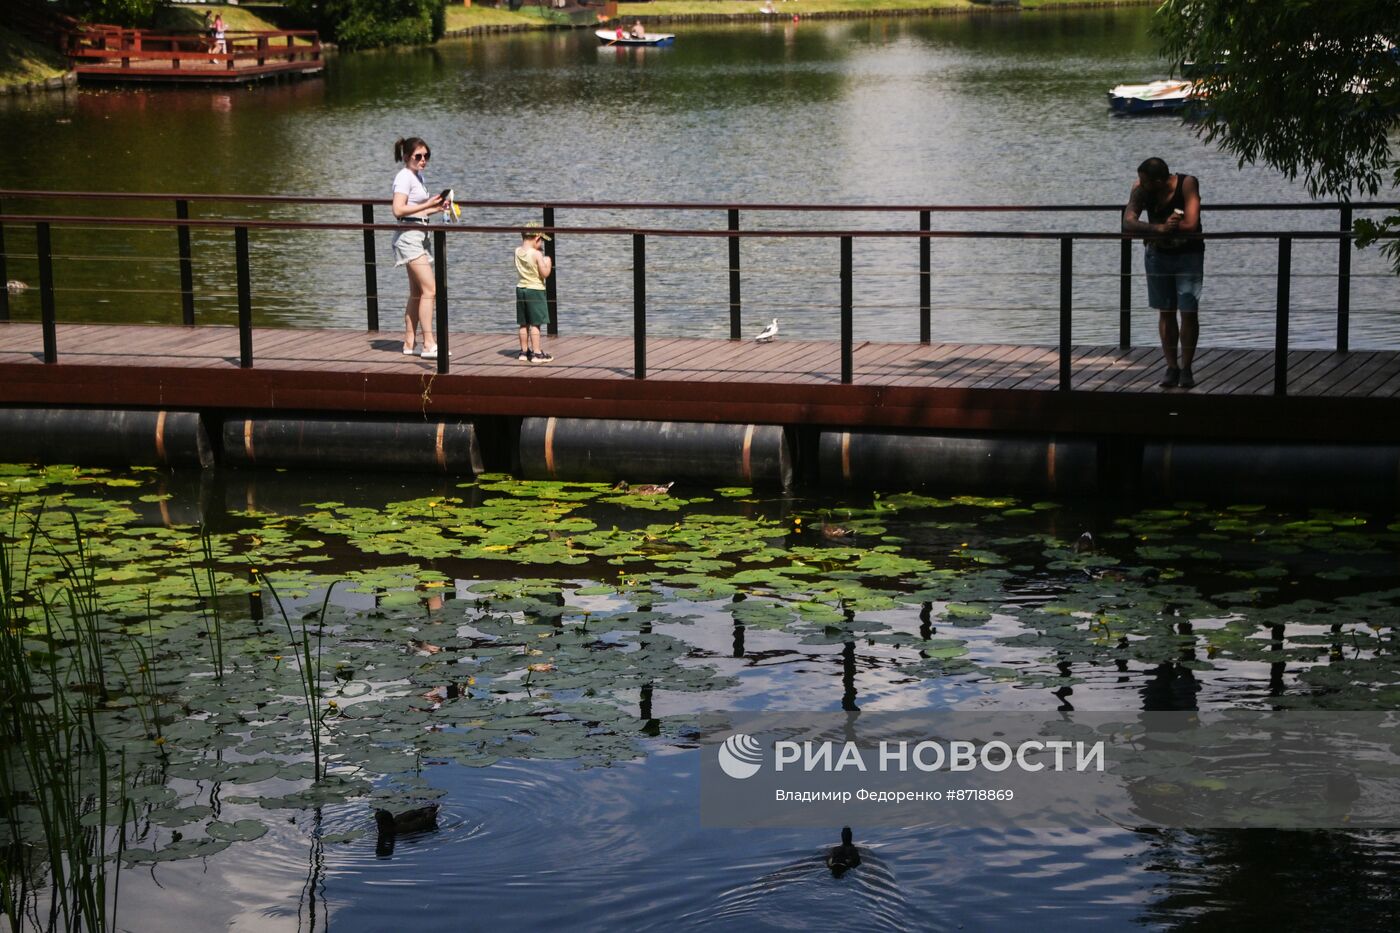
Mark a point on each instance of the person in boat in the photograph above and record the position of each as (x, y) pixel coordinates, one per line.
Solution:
(412, 244)
(1175, 265)
(638, 30)
(621, 33)
(532, 267)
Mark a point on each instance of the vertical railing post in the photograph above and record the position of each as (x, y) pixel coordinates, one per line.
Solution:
(1344, 283)
(847, 324)
(1066, 309)
(440, 278)
(735, 324)
(639, 305)
(182, 235)
(371, 271)
(551, 284)
(46, 308)
(925, 280)
(4, 273)
(1125, 294)
(1285, 273)
(245, 298)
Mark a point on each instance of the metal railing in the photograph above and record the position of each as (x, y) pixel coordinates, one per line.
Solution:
(183, 223)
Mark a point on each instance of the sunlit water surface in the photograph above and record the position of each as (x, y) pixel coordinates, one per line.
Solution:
(978, 110)
(991, 110)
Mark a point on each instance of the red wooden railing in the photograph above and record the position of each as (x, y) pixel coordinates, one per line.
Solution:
(131, 49)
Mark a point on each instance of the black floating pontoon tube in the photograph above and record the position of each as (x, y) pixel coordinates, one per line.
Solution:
(654, 452)
(1359, 474)
(902, 461)
(89, 437)
(338, 444)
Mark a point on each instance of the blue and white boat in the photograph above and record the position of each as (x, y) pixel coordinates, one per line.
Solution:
(1153, 97)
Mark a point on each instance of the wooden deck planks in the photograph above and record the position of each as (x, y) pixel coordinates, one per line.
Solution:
(1376, 369)
(784, 365)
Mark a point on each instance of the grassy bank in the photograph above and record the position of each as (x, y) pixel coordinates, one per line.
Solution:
(191, 16)
(678, 8)
(25, 62)
(480, 17)
(460, 18)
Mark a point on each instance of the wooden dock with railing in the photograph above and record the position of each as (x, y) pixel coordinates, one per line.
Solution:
(1291, 393)
(1330, 396)
(112, 53)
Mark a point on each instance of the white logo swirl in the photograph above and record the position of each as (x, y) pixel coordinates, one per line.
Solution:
(740, 756)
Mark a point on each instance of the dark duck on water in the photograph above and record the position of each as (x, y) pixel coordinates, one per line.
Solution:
(393, 825)
(843, 857)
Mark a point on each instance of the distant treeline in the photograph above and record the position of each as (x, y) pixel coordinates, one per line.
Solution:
(353, 24)
(359, 24)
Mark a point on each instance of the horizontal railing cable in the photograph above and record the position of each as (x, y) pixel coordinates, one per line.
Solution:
(688, 205)
(460, 229)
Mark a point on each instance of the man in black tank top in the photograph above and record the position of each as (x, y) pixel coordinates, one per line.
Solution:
(1175, 264)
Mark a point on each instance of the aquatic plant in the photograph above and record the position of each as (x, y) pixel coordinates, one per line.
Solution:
(309, 669)
(57, 768)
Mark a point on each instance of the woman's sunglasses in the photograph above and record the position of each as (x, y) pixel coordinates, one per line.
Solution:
(419, 157)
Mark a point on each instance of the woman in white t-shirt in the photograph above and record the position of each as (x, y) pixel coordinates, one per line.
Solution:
(412, 245)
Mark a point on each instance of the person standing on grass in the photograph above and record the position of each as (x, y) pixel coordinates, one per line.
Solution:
(532, 267)
(1175, 265)
(412, 245)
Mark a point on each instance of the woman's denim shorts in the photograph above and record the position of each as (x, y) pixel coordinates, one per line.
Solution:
(411, 243)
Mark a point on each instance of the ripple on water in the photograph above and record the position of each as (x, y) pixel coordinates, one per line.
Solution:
(793, 887)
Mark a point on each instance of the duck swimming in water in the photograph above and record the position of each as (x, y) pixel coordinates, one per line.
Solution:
(644, 489)
(391, 825)
(843, 857)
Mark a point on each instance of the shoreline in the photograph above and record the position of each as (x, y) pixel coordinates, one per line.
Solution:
(526, 23)
(783, 9)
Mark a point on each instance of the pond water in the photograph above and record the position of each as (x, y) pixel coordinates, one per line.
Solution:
(569, 793)
(537, 657)
(994, 109)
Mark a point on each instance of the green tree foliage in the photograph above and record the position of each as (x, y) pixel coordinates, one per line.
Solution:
(358, 24)
(1309, 87)
(118, 12)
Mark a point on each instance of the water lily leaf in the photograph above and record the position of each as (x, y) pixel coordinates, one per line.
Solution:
(240, 831)
(180, 849)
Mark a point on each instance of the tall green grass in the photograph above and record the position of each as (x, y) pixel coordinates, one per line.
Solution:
(61, 858)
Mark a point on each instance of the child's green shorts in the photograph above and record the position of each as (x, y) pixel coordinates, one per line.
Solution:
(531, 307)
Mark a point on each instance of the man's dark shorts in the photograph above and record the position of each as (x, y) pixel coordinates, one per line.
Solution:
(1174, 280)
(531, 307)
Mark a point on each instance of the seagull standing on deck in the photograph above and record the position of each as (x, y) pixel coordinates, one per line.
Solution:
(768, 334)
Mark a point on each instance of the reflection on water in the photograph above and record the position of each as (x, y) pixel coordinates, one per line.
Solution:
(942, 110)
(541, 845)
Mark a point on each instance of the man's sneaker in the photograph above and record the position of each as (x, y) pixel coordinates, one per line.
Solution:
(1187, 380)
(1172, 379)
(543, 358)
(525, 356)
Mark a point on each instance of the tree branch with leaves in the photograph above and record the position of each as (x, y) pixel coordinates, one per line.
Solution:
(1310, 88)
